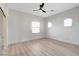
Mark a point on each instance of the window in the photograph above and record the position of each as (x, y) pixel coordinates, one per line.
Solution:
(49, 24)
(35, 27)
(68, 22)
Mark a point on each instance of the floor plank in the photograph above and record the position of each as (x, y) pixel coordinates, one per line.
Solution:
(43, 47)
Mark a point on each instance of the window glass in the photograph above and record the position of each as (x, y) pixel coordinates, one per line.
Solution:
(49, 24)
(35, 27)
(68, 22)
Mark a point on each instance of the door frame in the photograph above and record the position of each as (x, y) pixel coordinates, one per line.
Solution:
(4, 33)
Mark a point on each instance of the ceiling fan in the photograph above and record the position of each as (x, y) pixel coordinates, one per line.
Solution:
(41, 8)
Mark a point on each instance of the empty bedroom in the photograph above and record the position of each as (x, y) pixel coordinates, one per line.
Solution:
(39, 29)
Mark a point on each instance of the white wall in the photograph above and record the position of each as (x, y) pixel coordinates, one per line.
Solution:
(19, 26)
(59, 32)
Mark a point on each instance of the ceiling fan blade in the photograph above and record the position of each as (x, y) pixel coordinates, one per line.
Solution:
(36, 10)
(44, 11)
(42, 4)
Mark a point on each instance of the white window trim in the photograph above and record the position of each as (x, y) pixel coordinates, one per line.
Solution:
(49, 24)
(35, 27)
(68, 22)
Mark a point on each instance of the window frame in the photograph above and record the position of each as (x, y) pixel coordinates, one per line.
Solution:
(68, 22)
(36, 27)
(49, 24)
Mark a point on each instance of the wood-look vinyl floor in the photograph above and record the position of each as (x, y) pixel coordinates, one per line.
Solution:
(42, 47)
